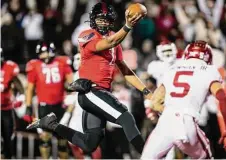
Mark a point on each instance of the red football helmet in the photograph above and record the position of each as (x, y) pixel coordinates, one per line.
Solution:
(200, 50)
(167, 51)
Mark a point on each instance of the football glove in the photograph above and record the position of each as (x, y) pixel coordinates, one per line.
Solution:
(28, 115)
(81, 85)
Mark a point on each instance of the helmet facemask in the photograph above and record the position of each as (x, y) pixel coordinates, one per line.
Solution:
(46, 52)
(102, 18)
(167, 52)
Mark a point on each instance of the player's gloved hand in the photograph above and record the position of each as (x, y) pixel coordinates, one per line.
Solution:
(28, 115)
(81, 85)
(222, 140)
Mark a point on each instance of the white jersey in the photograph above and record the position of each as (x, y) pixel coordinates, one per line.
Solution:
(187, 85)
(157, 69)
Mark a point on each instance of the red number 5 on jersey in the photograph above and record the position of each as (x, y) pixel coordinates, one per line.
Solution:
(183, 85)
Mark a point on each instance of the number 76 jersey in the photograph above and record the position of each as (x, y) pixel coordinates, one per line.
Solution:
(187, 85)
(49, 78)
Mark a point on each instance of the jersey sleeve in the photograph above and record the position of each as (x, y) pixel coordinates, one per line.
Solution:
(67, 68)
(30, 70)
(16, 69)
(88, 40)
(151, 68)
(214, 76)
(119, 56)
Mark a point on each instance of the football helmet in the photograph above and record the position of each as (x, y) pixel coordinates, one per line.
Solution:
(104, 12)
(167, 51)
(44, 46)
(199, 50)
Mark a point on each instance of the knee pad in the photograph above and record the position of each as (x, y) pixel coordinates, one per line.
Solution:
(127, 121)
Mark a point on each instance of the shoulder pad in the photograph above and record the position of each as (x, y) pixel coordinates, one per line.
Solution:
(64, 59)
(30, 65)
(11, 63)
(87, 36)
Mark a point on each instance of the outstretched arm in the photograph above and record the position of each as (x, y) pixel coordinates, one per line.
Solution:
(217, 90)
(157, 99)
(115, 39)
(132, 78)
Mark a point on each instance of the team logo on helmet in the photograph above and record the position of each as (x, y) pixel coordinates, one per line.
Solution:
(200, 50)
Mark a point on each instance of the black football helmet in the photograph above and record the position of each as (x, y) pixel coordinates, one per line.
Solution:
(44, 46)
(104, 11)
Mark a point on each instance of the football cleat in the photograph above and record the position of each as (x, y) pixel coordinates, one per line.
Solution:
(48, 122)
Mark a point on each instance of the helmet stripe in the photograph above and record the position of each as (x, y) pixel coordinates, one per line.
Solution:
(104, 7)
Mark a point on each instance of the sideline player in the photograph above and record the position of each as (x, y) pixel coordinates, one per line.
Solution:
(8, 76)
(184, 87)
(101, 53)
(48, 75)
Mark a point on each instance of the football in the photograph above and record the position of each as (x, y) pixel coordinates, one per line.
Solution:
(137, 8)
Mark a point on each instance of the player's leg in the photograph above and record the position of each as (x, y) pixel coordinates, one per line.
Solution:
(198, 145)
(76, 124)
(89, 139)
(58, 110)
(103, 104)
(7, 127)
(44, 137)
(158, 143)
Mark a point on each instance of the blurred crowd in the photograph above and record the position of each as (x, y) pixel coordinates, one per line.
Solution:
(25, 22)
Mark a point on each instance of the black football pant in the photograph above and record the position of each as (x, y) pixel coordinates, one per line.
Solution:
(7, 128)
(101, 106)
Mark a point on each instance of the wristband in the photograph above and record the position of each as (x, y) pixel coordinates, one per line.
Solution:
(126, 28)
(146, 91)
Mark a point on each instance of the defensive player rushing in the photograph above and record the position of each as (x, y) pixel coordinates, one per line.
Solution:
(185, 86)
(48, 75)
(166, 51)
(8, 76)
(101, 53)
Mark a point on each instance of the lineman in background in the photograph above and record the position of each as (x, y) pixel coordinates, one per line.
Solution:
(8, 81)
(47, 75)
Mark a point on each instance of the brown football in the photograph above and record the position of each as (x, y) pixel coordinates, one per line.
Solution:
(137, 8)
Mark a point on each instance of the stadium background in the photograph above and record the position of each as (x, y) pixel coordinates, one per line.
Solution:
(24, 22)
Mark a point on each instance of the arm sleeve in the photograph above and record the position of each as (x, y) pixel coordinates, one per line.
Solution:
(214, 76)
